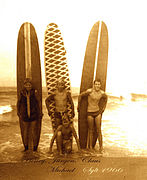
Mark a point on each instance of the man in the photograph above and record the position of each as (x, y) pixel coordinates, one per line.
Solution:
(29, 112)
(61, 98)
(94, 111)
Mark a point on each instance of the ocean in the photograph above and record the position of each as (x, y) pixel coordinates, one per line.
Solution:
(123, 127)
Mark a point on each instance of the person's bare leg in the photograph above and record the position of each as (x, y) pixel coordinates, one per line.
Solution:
(99, 132)
(59, 142)
(25, 134)
(34, 137)
(90, 129)
(58, 122)
(68, 147)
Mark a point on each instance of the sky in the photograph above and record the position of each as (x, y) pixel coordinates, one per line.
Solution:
(127, 30)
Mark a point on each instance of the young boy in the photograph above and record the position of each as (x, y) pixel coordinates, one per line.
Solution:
(63, 136)
(61, 97)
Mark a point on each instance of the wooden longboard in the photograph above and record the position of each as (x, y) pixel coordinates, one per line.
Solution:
(56, 66)
(28, 66)
(94, 67)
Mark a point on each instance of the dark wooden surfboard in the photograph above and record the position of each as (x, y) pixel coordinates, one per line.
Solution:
(92, 68)
(28, 66)
(101, 68)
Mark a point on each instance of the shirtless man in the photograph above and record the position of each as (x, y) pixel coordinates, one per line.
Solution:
(94, 111)
(61, 97)
(63, 136)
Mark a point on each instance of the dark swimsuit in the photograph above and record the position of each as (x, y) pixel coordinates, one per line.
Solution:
(93, 114)
(59, 114)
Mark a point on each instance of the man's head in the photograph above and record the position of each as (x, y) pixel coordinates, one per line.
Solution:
(65, 121)
(28, 84)
(97, 84)
(60, 84)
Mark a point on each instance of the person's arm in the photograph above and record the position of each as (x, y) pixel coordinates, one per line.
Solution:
(47, 102)
(103, 103)
(18, 104)
(85, 93)
(75, 136)
(54, 137)
(39, 104)
(71, 102)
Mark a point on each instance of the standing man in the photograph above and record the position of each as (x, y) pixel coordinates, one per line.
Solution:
(29, 112)
(94, 111)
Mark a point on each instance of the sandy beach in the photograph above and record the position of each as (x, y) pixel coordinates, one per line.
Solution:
(124, 156)
(83, 168)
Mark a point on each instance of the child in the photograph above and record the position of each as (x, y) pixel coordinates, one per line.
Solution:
(61, 97)
(63, 136)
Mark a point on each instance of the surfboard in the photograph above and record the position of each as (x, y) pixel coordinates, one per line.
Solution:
(94, 67)
(56, 66)
(29, 66)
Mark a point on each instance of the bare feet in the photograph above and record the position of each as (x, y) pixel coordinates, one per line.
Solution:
(60, 153)
(101, 150)
(92, 150)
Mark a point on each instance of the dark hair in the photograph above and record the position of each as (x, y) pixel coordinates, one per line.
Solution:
(96, 80)
(27, 80)
(60, 81)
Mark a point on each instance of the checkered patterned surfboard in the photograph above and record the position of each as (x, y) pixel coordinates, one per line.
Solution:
(55, 63)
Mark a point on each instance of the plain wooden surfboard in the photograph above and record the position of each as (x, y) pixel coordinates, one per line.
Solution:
(28, 66)
(97, 43)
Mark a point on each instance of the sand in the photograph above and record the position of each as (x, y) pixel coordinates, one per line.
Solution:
(103, 168)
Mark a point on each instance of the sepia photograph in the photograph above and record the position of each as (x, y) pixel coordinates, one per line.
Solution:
(73, 90)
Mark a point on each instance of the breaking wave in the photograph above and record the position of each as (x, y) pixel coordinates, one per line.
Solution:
(5, 109)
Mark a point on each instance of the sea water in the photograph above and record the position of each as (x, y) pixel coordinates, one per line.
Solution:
(123, 126)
